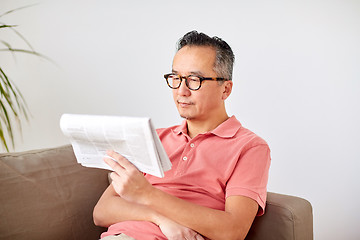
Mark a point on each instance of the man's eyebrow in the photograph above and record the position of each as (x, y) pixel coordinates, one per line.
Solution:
(195, 73)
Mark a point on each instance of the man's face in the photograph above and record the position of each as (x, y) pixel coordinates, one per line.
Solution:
(209, 99)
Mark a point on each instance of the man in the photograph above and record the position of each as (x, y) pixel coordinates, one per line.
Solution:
(217, 184)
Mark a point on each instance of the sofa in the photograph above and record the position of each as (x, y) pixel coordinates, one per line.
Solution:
(46, 194)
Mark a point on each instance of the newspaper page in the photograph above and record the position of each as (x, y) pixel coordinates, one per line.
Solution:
(133, 137)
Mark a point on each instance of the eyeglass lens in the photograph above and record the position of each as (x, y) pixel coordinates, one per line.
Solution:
(193, 82)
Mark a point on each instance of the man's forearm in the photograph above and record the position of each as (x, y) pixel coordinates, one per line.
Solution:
(111, 209)
(214, 224)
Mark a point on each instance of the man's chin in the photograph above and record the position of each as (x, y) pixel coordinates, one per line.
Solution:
(187, 117)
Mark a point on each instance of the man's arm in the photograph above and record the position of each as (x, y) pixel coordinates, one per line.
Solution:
(233, 223)
(111, 209)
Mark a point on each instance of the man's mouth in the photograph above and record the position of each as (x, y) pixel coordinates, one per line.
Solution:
(184, 103)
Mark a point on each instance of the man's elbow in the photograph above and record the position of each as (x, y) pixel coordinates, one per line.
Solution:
(235, 232)
(99, 218)
(233, 235)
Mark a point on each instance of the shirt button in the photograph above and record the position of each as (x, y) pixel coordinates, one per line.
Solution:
(185, 158)
(192, 145)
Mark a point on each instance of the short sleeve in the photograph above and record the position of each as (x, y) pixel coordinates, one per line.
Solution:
(250, 175)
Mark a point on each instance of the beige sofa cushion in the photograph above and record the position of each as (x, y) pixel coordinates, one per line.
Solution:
(46, 194)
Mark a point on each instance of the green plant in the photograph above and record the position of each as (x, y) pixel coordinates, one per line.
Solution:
(12, 102)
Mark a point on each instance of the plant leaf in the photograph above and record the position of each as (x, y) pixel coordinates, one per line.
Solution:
(8, 92)
(7, 26)
(9, 47)
(12, 27)
(12, 102)
(28, 52)
(3, 140)
(6, 44)
(17, 9)
(7, 122)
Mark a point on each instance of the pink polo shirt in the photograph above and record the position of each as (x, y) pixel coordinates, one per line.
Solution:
(230, 160)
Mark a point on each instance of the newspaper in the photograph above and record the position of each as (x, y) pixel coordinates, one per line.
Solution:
(133, 137)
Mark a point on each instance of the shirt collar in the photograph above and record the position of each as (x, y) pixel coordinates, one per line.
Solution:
(181, 128)
(226, 129)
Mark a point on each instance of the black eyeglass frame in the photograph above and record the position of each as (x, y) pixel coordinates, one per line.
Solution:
(166, 76)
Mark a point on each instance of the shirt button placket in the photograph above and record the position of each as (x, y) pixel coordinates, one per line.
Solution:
(185, 158)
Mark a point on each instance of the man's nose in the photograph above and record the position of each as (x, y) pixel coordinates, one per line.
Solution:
(183, 89)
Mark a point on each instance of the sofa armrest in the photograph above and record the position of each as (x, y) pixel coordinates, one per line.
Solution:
(286, 217)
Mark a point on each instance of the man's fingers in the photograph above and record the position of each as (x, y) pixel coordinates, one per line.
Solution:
(118, 188)
(114, 165)
(120, 159)
(115, 179)
(199, 237)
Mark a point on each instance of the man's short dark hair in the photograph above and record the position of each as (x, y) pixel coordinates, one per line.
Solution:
(224, 55)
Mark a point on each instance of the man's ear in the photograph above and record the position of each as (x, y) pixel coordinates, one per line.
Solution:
(227, 86)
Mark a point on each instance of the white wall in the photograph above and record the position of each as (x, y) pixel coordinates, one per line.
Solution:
(296, 81)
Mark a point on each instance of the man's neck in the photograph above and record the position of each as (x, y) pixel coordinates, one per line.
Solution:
(196, 127)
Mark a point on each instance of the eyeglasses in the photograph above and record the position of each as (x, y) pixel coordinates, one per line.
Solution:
(192, 82)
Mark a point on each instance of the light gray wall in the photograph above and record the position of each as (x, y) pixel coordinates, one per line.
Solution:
(296, 81)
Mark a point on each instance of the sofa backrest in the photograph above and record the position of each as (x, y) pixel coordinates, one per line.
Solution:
(46, 194)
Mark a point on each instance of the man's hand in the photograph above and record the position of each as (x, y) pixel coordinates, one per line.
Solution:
(175, 231)
(127, 180)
